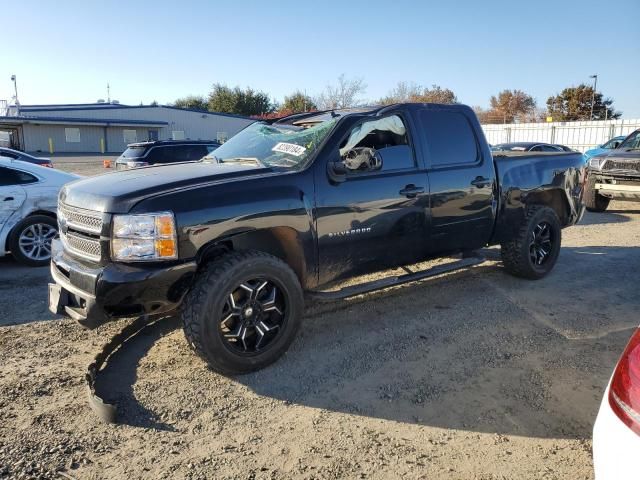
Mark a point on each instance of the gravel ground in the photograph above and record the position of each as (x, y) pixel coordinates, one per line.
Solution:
(474, 374)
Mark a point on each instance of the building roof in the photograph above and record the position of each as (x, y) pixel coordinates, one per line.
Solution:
(103, 122)
(115, 106)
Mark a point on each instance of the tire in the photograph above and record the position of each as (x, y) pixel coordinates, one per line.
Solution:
(217, 309)
(521, 256)
(30, 240)
(592, 199)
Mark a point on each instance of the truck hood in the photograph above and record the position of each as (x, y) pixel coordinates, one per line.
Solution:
(118, 192)
(621, 155)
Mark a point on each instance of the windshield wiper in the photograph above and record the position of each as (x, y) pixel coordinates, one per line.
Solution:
(241, 160)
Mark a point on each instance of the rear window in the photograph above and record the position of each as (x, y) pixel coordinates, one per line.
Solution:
(133, 152)
(450, 138)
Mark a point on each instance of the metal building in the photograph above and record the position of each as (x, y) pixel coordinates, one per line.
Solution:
(108, 127)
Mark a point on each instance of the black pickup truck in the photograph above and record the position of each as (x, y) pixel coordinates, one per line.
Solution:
(235, 243)
(614, 174)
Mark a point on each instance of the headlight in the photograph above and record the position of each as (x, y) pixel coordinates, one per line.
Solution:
(597, 162)
(146, 237)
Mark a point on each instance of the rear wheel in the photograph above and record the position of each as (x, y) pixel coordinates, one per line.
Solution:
(592, 199)
(30, 240)
(534, 251)
(243, 312)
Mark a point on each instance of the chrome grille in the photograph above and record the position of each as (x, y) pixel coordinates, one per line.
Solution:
(82, 246)
(622, 165)
(80, 231)
(83, 220)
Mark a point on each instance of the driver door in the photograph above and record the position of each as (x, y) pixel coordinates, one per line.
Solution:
(376, 217)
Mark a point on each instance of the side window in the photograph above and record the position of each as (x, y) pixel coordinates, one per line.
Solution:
(537, 148)
(9, 154)
(8, 176)
(380, 144)
(156, 155)
(197, 152)
(450, 138)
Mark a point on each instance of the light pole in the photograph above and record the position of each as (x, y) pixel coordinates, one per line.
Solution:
(593, 93)
(15, 88)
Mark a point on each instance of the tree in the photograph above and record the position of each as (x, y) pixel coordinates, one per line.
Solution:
(510, 105)
(297, 102)
(246, 102)
(192, 102)
(345, 94)
(574, 103)
(411, 92)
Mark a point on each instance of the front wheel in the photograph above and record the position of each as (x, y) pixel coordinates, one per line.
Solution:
(592, 199)
(534, 251)
(243, 312)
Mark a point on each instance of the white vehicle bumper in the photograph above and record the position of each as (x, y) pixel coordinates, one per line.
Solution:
(616, 447)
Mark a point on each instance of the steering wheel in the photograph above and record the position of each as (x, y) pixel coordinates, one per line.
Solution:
(362, 158)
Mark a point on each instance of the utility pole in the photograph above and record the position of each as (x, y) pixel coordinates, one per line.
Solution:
(108, 93)
(593, 93)
(15, 89)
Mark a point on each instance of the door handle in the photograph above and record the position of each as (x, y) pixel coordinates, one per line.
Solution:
(481, 182)
(8, 199)
(411, 191)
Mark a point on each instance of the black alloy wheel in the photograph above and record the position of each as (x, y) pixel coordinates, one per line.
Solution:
(253, 316)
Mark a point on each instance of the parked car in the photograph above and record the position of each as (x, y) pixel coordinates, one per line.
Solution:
(144, 154)
(28, 204)
(614, 175)
(287, 206)
(608, 145)
(25, 157)
(616, 433)
(530, 147)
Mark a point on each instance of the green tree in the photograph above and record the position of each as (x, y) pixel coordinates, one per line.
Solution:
(193, 102)
(511, 105)
(412, 92)
(246, 102)
(574, 103)
(297, 102)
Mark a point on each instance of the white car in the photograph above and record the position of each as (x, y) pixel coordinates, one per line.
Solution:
(616, 434)
(28, 205)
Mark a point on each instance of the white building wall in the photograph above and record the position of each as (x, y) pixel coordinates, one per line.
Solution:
(580, 136)
(36, 138)
(195, 125)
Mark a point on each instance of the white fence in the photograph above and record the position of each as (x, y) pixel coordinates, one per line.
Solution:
(578, 135)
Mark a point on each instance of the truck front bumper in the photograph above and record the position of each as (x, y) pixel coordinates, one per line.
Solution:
(626, 192)
(96, 294)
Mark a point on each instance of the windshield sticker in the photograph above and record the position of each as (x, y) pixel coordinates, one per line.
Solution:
(290, 148)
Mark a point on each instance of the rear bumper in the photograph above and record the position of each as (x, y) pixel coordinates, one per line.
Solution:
(615, 446)
(94, 295)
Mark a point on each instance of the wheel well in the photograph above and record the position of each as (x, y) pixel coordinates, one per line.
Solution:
(554, 199)
(281, 242)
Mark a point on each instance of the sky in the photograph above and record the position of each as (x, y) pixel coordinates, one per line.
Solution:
(67, 51)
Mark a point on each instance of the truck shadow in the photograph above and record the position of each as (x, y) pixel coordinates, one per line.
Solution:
(479, 351)
(115, 382)
(475, 350)
(609, 216)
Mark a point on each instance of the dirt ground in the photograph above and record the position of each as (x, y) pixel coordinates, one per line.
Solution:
(470, 375)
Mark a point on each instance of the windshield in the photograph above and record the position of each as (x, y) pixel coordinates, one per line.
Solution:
(133, 152)
(276, 145)
(632, 141)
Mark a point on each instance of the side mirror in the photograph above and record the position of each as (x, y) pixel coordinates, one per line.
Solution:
(337, 171)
